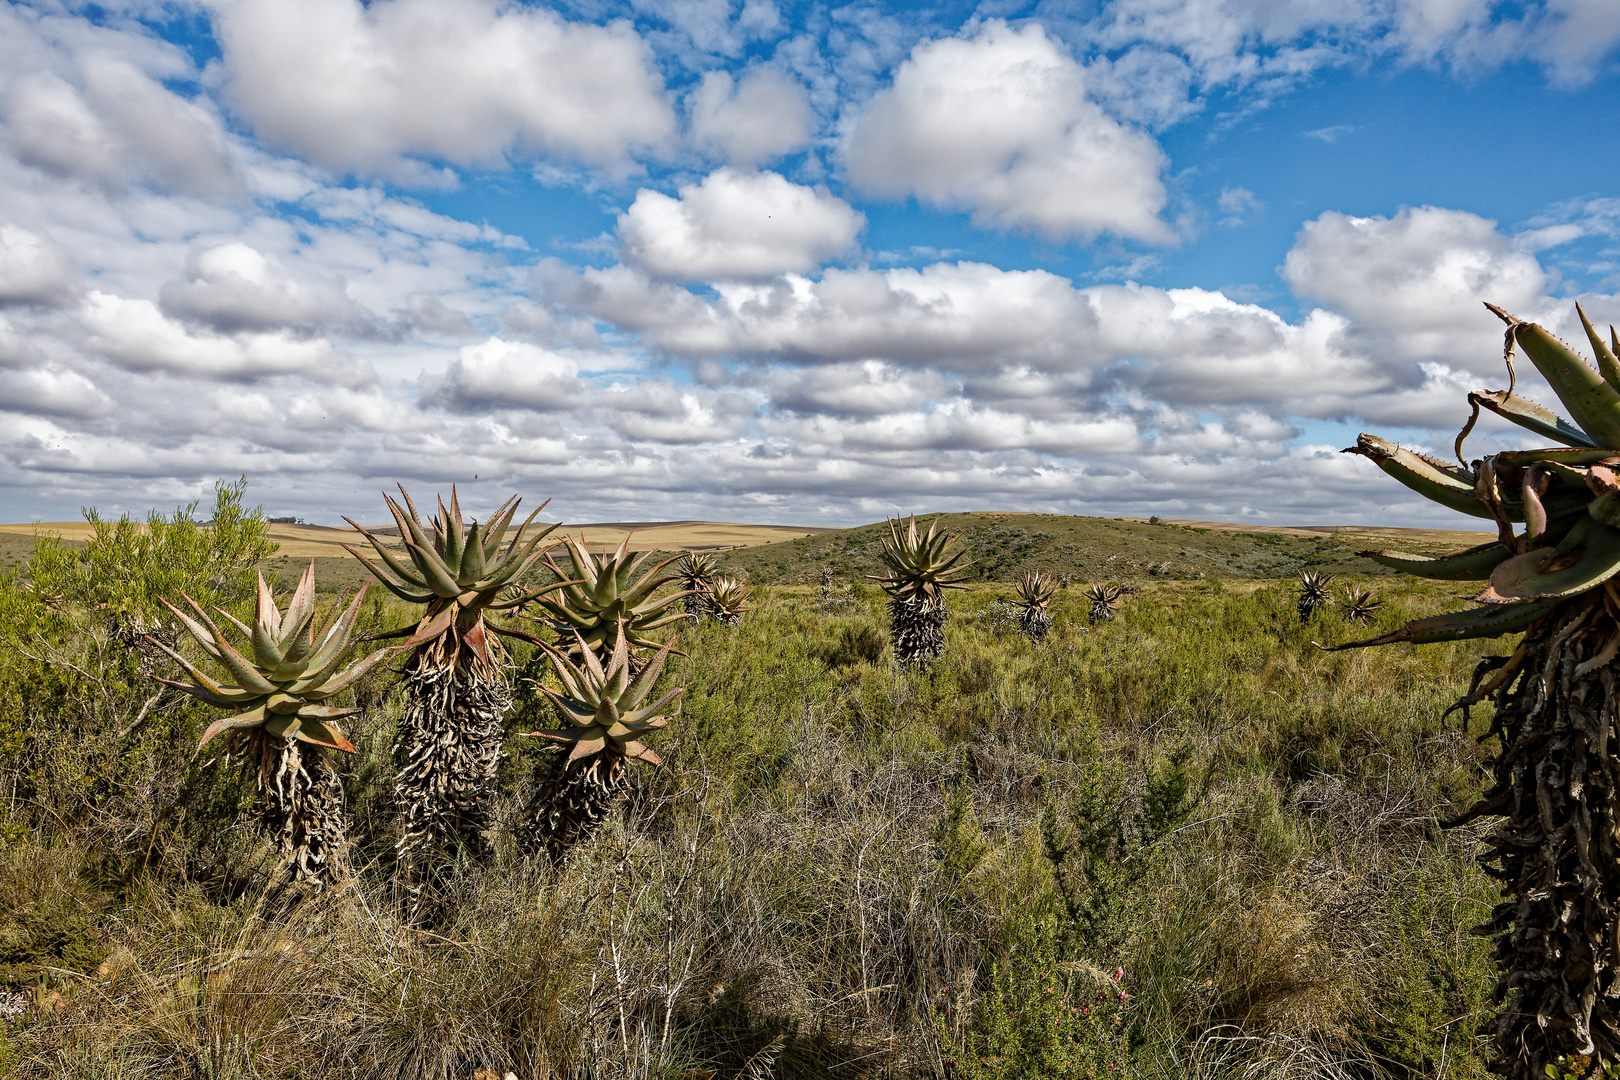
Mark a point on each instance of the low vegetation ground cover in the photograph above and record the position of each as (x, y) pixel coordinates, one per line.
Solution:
(1183, 843)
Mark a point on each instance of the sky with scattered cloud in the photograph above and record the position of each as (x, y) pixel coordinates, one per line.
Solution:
(757, 260)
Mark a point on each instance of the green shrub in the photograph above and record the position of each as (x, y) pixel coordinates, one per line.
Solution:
(856, 643)
(1046, 1015)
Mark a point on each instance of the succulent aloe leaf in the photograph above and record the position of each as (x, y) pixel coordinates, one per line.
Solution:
(642, 684)
(563, 736)
(472, 558)
(498, 568)
(266, 632)
(196, 629)
(1436, 480)
(1481, 622)
(242, 670)
(246, 630)
(637, 752)
(430, 628)
(406, 573)
(580, 714)
(284, 726)
(1608, 364)
(251, 718)
(388, 583)
(439, 577)
(587, 747)
(1592, 403)
(516, 565)
(410, 524)
(1572, 456)
(218, 696)
(1528, 414)
(320, 733)
(300, 609)
(1472, 564)
(321, 690)
(495, 528)
(455, 536)
(1548, 573)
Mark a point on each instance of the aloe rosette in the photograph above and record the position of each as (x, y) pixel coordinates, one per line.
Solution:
(696, 571)
(1551, 573)
(279, 686)
(1314, 593)
(728, 598)
(601, 596)
(1104, 602)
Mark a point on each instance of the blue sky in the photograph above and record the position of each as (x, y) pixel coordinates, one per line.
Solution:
(755, 260)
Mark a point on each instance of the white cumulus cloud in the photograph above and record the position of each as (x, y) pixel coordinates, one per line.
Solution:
(364, 88)
(233, 286)
(32, 269)
(122, 126)
(1413, 283)
(755, 119)
(737, 226)
(511, 373)
(137, 336)
(1000, 123)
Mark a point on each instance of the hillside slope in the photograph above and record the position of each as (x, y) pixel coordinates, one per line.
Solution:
(1085, 549)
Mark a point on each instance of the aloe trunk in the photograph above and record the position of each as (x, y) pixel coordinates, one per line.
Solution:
(570, 798)
(447, 754)
(1554, 783)
(301, 806)
(1035, 623)
(918, 626)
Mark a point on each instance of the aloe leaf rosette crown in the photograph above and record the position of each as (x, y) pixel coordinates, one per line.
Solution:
(1567, 498)
(1034, 594)
(458, 570)
(1035, 590)
(729, 599)
(921, 566)
(603, 707)
(697, 571)
(281, 681)
(604, 597)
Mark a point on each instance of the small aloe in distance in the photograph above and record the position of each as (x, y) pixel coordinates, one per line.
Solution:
(279, 687)
(1035, 591)
(1314, 593)
(604, 712)
(1104, 601)
(697, 572)
(728, 598)
(920, 568)
(1360, 605)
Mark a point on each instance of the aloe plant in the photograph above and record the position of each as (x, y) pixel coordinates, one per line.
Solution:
(1313, 593)
(450, 738)
(1555, 779)
(920, 568)
(1034, 598)
(604, 713)
(279, 686)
